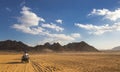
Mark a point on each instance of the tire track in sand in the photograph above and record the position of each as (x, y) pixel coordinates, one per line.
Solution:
(37, 67)
(41, 68)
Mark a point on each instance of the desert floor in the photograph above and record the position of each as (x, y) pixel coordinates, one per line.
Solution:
(62, 62)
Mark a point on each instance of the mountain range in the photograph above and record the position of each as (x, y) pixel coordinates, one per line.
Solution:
(10, 45)
(116, 48)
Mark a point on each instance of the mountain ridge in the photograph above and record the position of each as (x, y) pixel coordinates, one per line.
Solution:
(116, 48)
(47, 47)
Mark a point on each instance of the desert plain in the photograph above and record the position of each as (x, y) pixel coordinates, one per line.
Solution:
(62, 62)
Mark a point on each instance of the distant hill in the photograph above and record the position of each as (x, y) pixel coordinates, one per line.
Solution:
(116, 48)
(47, 47)
(13, 45)
(80, 46)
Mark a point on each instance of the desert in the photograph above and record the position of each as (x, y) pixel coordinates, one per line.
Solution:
(62, 62)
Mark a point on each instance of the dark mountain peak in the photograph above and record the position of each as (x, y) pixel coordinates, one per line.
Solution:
(56, 44)
(20, 46)
(80, 46)
(47, 44)
(83, 42)
(12, 45)
(8, 41)
(12, 41)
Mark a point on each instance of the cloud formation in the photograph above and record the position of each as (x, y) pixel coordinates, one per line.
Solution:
(75, 35)
(30, 23)
(59, 21)
(101, 29)
(29, 30)
(53, 26)
(98, 30)
(29, 18)
(61, 38)
(107, 14)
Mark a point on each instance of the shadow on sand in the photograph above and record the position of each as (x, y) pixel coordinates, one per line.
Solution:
(13, 63)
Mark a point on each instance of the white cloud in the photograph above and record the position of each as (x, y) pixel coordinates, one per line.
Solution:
(59, 21)
(98, 30)
(25, 29)
(61, 36)
(28, 21)
(29, 18)
(107, 14)
(75, 35)
(53, 26)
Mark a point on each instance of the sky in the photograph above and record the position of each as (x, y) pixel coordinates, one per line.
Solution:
(35, 22)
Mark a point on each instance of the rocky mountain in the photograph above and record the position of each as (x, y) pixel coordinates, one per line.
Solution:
(80, 46)
(47, 47)
(116, 48)
(13, 45)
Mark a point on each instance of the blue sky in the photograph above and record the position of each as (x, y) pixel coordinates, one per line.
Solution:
(38, 21)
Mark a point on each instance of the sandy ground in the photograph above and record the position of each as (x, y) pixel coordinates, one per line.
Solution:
(62, 62)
